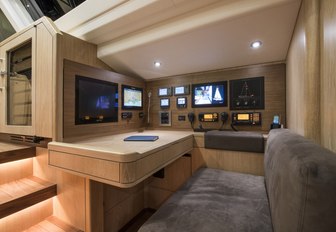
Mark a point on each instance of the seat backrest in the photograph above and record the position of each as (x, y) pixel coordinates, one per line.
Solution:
(301, 183)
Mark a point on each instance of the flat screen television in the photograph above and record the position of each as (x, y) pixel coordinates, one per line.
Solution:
(96, 101)
(132, 97)
(209, 94)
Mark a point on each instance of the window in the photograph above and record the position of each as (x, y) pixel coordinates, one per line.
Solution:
(6, 28)
(53, 9)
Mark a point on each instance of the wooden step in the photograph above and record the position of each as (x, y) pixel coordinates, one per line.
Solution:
(20, 194)
(52, 224)
(11, 152)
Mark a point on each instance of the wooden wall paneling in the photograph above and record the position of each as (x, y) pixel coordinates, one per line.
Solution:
(77, 50)
(246, 162)
(275, 95)
(70, 129)
(198, 139)
(71, 48)
(328, 70)
(236, 161)
(121, 205)
(95, 206)
(44, 82)
(294, 78)
(197, 160)
(312, 80)
(69, 204)
(302, 75)
(175, 175)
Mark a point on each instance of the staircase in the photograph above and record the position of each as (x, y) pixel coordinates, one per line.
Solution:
(24, 198)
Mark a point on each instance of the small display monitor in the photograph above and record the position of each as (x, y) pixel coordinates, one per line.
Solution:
(164, 91)
(96, 101)
(181, 102)
(132, 97)
(181, 90)
(164, 103)
(243, 117)
(209, 94)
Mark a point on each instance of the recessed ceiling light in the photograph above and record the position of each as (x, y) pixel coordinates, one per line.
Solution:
(157, 64)
(256, 44)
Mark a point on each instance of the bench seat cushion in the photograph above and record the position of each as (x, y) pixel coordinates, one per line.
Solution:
(234, 140)
(215, 200)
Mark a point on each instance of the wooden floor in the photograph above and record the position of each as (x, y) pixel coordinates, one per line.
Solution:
(52, 224)
(138, 221)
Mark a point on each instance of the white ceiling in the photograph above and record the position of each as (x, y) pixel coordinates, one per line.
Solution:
(187, 36)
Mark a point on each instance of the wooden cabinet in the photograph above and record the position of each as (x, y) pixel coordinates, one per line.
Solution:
(26, 91)
(17, 81)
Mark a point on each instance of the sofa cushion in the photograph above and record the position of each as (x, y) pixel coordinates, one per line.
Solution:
(215, 200)
(234, 140)
(301, 183)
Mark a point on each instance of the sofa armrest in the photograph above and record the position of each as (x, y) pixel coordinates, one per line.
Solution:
(301, 183)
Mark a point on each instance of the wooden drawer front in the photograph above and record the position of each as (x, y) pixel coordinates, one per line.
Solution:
(149, 163)
(160, 158)
(89, 167)
(178, 149)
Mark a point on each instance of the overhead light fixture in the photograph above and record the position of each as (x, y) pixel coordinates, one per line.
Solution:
(256, 44)
(157, 64)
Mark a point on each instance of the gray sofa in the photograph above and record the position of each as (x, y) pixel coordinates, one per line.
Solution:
(298, 193)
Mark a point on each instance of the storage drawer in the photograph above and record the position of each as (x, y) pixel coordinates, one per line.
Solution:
(85, 166)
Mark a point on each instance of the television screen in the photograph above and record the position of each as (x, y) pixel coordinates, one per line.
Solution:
(132, 97)
(209, 94)
(96, 101)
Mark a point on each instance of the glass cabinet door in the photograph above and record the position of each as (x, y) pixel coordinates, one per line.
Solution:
(17, 95)
(19, 85)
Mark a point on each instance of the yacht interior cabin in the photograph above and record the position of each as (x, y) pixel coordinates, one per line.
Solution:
(167, 115)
